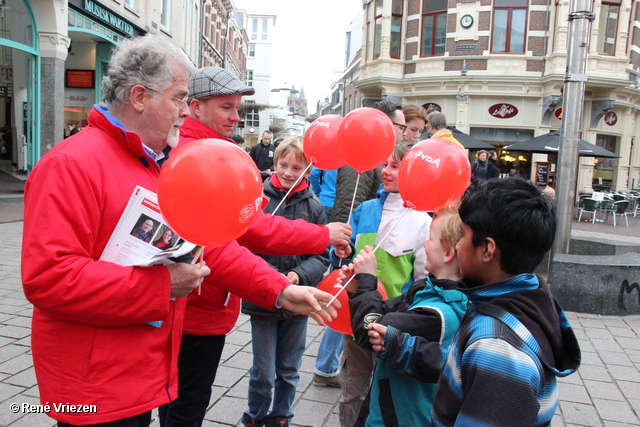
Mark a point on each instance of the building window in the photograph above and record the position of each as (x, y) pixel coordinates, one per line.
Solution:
(368, 29)
(165, 15)
(434, 27)
(377, 44)
(129, 3)
(259, 30)
(254, 29)
(608, 27)
(250, 78)
(252, 50)
(509, 26)
(604, 167)
(252, 119)
(396, 29)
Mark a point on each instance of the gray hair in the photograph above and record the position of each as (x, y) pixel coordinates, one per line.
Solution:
(149, 61)
(437, 120)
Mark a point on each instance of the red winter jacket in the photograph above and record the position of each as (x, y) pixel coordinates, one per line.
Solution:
(216, 309)
(90, 341)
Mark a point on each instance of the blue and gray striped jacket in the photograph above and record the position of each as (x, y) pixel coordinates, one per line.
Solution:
(503, 362)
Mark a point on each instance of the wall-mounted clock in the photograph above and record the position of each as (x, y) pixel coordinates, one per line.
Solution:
(466, 21)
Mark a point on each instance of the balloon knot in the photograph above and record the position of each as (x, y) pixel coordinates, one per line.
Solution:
(313, 160)
(408, 204)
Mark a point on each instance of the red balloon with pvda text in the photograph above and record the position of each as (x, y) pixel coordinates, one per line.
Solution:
(366, 138)
(321, 143)
(433, 173)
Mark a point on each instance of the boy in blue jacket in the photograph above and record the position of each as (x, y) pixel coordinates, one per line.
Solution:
(432, 308)
(515, 340)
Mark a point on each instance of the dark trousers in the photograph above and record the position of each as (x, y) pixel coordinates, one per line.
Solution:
(142, 420)
(197, 367)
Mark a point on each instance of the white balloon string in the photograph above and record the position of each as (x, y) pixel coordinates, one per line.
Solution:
(201, 264)
(374, 251)
(353, 201)
(292, 187)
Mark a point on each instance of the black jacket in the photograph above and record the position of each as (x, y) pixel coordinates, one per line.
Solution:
(262, 156)
(479, 170)
(310, 268)
(492, 169)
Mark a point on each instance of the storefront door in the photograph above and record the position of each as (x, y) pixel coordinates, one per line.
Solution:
(19, 90)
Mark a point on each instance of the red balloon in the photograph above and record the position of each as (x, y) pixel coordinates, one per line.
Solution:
(330, 285)
(366, 138)
(210, 192)
(434, 172)
(321, 143)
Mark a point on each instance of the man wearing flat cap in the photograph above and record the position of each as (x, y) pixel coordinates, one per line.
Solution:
(214, 97)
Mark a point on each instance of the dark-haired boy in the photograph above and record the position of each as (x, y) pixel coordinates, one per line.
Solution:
(515, 339)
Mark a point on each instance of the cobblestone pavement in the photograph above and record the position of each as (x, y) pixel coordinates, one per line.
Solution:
(605, 391)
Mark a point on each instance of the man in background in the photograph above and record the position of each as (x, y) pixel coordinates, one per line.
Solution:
(437, 124)
(262, 155)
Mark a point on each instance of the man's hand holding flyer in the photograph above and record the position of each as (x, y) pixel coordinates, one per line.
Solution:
(143, 238)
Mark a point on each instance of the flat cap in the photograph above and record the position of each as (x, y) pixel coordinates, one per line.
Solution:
(214, 81)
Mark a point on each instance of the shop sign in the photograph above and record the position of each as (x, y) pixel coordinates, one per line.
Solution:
(108, 17)
(558, 113)
(79, 97)
(6, 75)
(430, 105)
(611, 118)
(80, 78)
(503, 111)
(252, 130)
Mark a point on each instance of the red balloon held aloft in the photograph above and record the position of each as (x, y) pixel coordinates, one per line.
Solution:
(434, 172)
(330, 285)
(210, 192)
(321, 143)
(366, 138)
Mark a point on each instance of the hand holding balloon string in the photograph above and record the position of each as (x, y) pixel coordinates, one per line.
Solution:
(372, 251)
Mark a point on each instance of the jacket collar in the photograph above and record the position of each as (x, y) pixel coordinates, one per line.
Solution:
(192, 128)
(100, 118)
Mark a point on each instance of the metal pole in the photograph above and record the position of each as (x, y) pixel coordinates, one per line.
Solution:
(575, 79)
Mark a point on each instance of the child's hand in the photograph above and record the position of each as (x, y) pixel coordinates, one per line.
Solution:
(377, 333)
(346, 275)
(342, 251)
(293, 277)
(365, 262)
(346, 271)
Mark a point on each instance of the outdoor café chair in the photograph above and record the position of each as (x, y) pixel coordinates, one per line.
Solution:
(618, 208)
(589, 205)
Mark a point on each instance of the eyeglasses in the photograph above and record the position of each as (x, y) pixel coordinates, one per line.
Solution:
(178, 100)
(402, 127)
